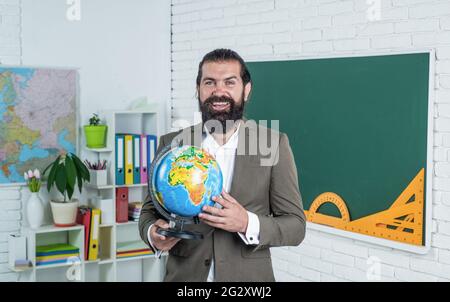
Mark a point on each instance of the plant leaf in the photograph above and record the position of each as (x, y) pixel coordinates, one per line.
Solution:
(52, 174)
(46, 168)
(61, 181)
(52, 164)
(79, 182)
(71, 172)
(70, 192)
(79, 173)
(82, 167)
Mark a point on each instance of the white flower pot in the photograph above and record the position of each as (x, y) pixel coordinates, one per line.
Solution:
(97, 177)
(64, 213)
(35, 211)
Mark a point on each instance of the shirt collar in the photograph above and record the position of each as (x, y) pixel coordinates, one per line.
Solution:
(230, 144)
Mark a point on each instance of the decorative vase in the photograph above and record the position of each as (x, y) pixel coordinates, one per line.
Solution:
(35, 211)
(95, 136)
(64, 213)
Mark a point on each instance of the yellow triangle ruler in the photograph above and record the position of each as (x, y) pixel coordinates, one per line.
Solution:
(403, 221)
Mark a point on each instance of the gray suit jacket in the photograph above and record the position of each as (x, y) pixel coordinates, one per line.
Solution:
(269, 191)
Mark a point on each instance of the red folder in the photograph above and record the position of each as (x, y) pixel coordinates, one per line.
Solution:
(84, 218)
(122, 204)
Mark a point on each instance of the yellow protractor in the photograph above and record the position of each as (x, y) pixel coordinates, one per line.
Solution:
(328, 197)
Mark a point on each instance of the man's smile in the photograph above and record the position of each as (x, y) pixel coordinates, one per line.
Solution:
(221, 106)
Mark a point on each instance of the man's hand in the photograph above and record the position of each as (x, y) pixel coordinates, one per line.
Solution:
(161, 242)
(232, 217)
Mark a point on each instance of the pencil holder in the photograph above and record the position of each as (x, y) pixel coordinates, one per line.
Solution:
(98, 177)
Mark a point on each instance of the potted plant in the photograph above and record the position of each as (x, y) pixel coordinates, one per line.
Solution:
(95, 133)
(98, 172)
(65, 171)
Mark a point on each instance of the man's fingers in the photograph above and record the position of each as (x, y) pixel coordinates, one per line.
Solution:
(169, 243)
(162, 224)
(211, 218)
(156, 235)
(174, 240)
(228, 197)
(213, 211)
(215, 225)
(224, 203)
(166, 244)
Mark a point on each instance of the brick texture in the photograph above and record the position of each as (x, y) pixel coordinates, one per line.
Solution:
(275, 29)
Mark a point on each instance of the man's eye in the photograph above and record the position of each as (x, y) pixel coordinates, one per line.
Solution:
(230, 83)
(208, 83)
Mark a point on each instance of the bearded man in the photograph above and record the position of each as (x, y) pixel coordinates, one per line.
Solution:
(260, 205)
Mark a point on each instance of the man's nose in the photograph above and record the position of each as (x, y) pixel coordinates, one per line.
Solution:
(219, 90)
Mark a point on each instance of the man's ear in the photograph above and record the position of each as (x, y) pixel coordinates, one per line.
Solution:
(247, 91)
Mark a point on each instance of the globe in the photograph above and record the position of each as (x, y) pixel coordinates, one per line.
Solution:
(184, 179)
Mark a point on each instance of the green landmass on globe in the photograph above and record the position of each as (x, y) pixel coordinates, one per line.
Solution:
(185, 179)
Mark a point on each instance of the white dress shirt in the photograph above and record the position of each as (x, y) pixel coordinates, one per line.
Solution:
(225, 156)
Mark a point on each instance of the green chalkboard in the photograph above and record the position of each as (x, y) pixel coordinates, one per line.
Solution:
(357, 125)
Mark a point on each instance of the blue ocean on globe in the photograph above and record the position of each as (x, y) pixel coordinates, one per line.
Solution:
(185, 179)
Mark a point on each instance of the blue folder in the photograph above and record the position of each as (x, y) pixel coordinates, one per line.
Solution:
(120, 159)
(136, 159)
(151, 150)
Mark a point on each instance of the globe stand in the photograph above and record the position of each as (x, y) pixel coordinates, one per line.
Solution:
(176, 225)
(178, 232)
(176, 222)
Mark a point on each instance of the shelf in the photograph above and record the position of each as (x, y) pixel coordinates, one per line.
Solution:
(40, 267)
(99, 150)
(135, 112)
(136, 258)
(131, 186)
(105, 187)
(21, 270)
(51, 228)
(111, 233)
(107, 225)
(92, 261)
(127, 223)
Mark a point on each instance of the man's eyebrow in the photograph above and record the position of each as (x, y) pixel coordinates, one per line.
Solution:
(212, 79)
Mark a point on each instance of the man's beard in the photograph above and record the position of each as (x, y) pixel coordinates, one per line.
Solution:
(221, 121)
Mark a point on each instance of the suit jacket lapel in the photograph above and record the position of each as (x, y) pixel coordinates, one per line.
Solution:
(243, 162)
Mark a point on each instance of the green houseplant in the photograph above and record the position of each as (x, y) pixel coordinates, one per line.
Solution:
(95, 133)
(64, 172)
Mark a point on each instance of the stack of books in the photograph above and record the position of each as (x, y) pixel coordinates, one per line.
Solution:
(134, 210)
(56, 253)
(132, 249)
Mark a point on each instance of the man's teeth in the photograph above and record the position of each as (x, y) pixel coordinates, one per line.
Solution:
(220, 103)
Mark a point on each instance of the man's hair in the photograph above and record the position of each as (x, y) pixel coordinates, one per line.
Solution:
(223, 55)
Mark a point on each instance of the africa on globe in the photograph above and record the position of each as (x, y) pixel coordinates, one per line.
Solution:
(184, 179)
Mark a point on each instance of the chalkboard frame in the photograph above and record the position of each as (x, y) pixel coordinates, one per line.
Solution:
(424, 249)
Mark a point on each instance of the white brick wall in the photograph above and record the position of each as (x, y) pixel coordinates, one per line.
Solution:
(10, 222)
(10, 51)
(264, 29)
(10, 198)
